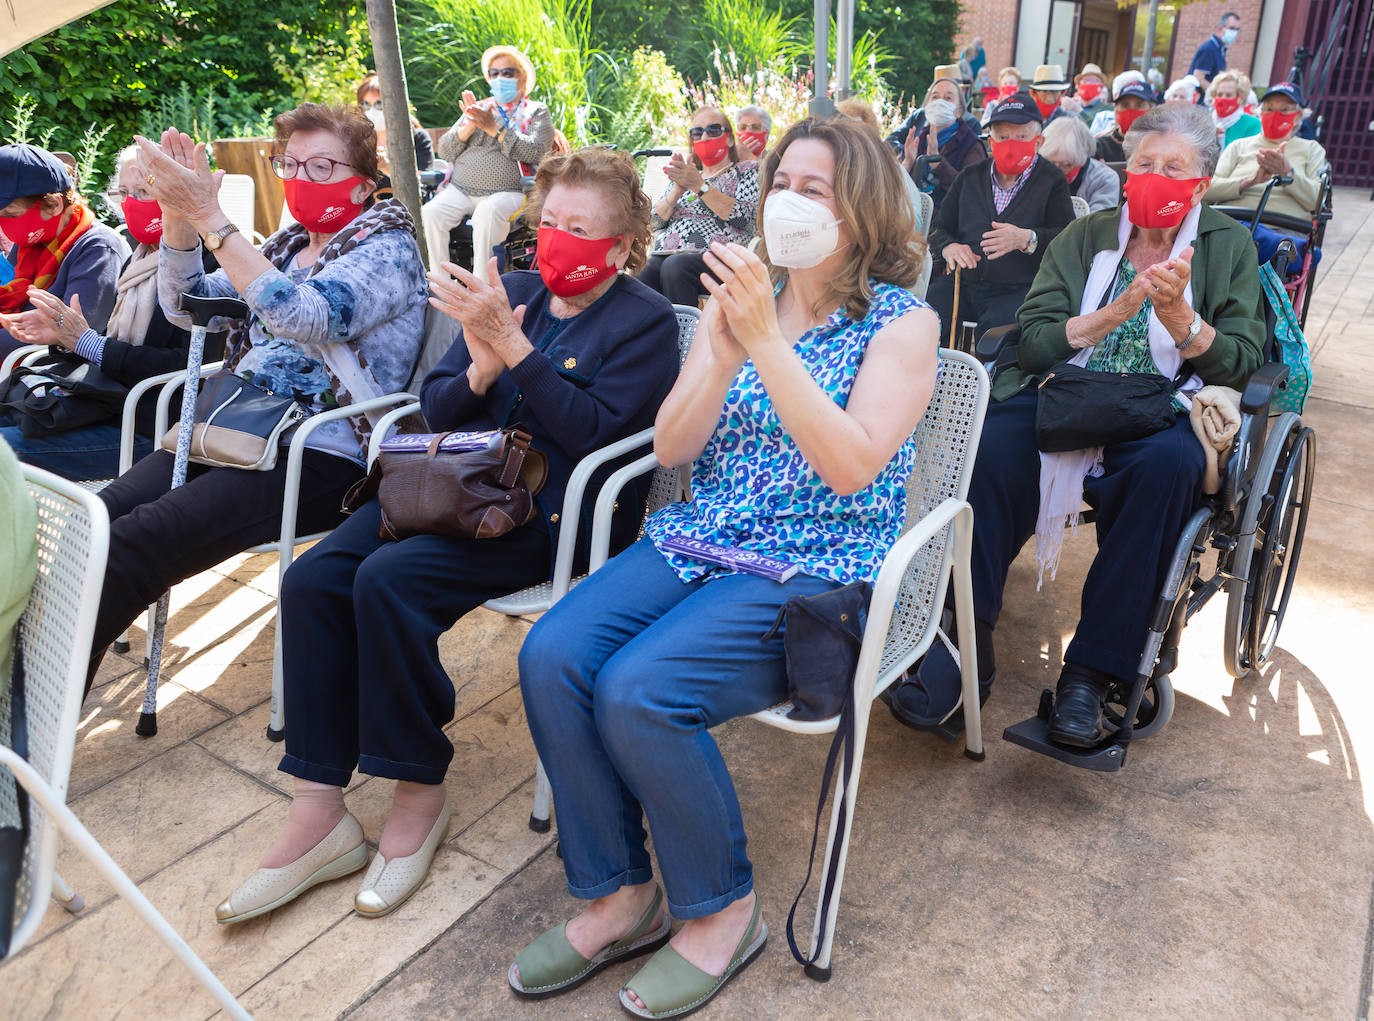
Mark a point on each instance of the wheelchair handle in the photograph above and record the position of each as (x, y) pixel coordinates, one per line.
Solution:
(1276, 181)
(652, 152)
(202, 310)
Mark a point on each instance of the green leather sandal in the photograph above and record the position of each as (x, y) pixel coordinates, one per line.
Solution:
(550, 965)
(671, 986)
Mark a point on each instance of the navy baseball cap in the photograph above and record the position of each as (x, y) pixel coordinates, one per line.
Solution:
(28, 170)
(1284, 89)
(1017, 109)
(1140, 91)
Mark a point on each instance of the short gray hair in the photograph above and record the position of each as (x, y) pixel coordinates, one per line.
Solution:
(758, 112)
(1190, 123)
(1070, 136)
(961, 107)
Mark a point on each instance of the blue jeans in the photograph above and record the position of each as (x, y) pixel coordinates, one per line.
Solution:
(91, 452)
(622, 681)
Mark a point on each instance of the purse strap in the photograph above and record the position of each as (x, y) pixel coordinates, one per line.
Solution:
(844, 740)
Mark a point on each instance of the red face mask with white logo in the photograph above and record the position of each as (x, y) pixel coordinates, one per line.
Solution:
(30, 228)
(323, 208)
(1226, 105)
(754, 141)
(570, 265)
(144, 220)
(1154, 201)
(1276, 125)
(1089, 91)
(1012, 155)
(712, 150)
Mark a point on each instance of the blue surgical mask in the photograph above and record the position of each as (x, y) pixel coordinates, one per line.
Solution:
(1228, 35)
(504, 90)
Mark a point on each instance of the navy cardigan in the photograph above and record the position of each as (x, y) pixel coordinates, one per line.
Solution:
(591, 380)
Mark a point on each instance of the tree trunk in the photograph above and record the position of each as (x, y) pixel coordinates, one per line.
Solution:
(400, 138)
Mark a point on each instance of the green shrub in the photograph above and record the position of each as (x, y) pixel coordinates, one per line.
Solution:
(649, 104)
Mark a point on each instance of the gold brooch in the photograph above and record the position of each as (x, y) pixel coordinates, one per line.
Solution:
(570, 363)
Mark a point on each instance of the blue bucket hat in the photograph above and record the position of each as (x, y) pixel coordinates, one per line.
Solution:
(28, 170)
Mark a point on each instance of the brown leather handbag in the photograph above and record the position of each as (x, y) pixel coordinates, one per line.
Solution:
(425, 489)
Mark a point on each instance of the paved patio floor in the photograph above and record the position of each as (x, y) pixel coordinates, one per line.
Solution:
(1224, 873)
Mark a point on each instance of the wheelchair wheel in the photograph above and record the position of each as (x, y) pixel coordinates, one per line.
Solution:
(1276, 512)
(1156, 706)
(1276, 561)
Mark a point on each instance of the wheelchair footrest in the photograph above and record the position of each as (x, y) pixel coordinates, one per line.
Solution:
(1034, 734)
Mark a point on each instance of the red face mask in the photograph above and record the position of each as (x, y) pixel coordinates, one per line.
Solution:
(323, 208)
(1009, 90)
(712, 150)
(755, 141)
(1012, 156)
(1276, 125)
(1226, 105)
(1154, 201)
(1089, 91)
(1125, 118)
(144, 220)
(30, 228)
(570, 265)
(1047, 109)
(1072, 175)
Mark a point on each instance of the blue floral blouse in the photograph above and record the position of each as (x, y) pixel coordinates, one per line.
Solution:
(753, 489)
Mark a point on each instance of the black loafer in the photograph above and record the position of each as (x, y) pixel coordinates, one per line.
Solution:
(931, 695)
(1077, 717)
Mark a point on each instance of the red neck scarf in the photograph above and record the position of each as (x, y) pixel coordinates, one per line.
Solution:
(37, 265)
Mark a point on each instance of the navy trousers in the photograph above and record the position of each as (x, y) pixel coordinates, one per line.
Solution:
(988, 305)
(1146, 494)
(361, 619)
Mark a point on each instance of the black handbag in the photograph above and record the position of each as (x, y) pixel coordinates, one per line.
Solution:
(238, 424)
(59, 393)
(821, 642)
(1078, 407)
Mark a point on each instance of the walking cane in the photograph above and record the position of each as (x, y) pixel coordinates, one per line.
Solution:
(202, 310)
(954, 312)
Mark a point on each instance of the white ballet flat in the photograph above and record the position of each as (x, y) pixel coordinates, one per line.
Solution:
(389, 884)
(340, 853)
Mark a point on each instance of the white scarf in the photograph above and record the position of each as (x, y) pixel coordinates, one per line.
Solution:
(1224, 123)
(1061, 475)
(135, 298)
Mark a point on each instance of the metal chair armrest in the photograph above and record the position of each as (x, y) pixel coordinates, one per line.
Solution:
(605, 505)
(383, 427)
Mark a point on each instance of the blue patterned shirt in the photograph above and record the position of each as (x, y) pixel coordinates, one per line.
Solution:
(753, 489)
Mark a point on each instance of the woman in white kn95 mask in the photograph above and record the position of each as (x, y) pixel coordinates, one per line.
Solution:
(795, 410)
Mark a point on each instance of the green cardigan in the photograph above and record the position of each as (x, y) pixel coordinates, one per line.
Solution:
(18, 554)
(1226, 290)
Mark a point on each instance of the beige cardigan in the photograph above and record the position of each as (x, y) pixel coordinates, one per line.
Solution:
(1239, 163)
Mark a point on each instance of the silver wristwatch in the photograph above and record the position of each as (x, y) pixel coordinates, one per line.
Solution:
(1194, 328)
(1033, 243)
(705, 187)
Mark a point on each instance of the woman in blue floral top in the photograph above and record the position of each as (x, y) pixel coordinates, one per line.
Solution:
(811, 367)
(712, 196)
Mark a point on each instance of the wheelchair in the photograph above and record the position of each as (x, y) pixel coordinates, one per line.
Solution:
(1312, 230)
(1245, 541)
(516, 252)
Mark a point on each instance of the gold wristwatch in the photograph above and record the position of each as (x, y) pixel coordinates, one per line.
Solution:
(215, 238)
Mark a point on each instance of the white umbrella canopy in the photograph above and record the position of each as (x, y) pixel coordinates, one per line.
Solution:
(23, 21)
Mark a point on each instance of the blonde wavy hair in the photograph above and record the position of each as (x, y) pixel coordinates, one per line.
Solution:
(871, 200)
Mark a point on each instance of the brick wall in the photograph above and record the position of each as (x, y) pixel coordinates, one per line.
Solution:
(1197, 21)
(995, 21)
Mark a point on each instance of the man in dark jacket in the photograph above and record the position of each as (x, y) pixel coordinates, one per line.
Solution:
(996, 222)
(1132, 100)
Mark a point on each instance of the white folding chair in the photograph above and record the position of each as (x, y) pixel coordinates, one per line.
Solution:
(904, 613)
(55, 631)
(1080, 206)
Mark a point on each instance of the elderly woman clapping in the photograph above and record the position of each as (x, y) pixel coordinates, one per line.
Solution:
(1142, 288)
(1247, 165)
(336, 310)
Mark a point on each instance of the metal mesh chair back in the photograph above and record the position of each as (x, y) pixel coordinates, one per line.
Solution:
(946, 444)
(55, 631)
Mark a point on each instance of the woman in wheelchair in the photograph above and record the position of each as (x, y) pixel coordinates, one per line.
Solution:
(1162, 283)
(796, 410)
(579, 359)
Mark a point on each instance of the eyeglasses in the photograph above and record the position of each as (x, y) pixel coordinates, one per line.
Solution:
(116, 196)
(317, 168)
(709, 131)
(371, 106)
(503, 72)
